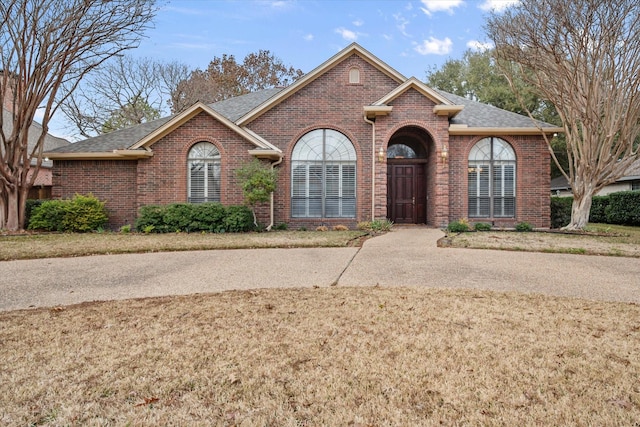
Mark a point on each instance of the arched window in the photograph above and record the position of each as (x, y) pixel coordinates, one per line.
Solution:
(323, 176)
(203, 164)
(492, 179)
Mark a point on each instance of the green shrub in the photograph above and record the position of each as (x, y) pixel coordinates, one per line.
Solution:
(151, 218)
(623, 208)
(377, 225)
(598, 209)
(238, 219)
(459, 226)
(192, 218)
(80, 214)
(125, 229)
(482, 226)
(281, 227)
(560, 211)
(178, 217)
(208, 217)
(85, 213)
(524, 226)
(48, 216)
(29, 207)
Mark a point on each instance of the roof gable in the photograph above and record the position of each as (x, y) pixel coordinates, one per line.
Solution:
(352, 49)
(443, 107)
(180, 119)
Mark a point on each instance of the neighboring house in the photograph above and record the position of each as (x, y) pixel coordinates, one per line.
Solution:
(353, 140)
(629, 182)
(42, 185)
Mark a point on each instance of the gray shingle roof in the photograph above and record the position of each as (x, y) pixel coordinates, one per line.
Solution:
(474, 114)
(35, 130)
(232, 109)
(477, 114)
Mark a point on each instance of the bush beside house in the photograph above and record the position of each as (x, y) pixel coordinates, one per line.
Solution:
(621, 208)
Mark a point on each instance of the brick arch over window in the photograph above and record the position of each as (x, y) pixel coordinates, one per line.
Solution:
(491, 179)
(323, 176)
(203, 173)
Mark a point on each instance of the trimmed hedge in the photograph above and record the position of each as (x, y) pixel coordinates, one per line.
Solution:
(198, 217)
(616, 208)
(80, 214)
(623, 208)
(560, 211)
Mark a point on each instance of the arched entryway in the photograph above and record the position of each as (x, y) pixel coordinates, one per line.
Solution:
(407, 160)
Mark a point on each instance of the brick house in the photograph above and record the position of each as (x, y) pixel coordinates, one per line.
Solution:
(353, 140)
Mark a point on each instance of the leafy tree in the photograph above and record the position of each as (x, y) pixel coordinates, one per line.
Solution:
(226, 78)
(135, 112)
(122, 92)
(478, 76)
(583, 56)
(46, 48)
(258, 181)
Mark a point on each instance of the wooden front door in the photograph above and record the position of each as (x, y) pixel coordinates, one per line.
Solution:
(406, 195)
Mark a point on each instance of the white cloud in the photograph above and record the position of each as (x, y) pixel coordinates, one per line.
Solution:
(401, 24)
(497, 5)
(479, 46)
(308, 37)
(347, 34)
(431, 6)
(434, 46)
(358, 22)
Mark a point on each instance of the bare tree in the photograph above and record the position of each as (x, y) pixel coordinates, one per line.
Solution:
(584, 57)
(46, 48)
(124, 91)
(226, 78)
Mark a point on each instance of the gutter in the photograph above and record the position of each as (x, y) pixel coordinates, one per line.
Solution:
(373, 164)
(271, 202)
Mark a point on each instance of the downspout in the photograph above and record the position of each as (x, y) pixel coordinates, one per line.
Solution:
(272, 215)
(373, 165)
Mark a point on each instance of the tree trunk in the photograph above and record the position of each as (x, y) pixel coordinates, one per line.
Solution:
(16, 200)
(580, 210)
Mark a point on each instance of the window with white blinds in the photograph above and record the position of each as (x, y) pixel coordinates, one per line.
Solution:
(492, 179)
(323, 176)
(203, 179)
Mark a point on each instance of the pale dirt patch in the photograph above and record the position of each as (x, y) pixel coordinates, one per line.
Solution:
(588, 244)
(329, 356)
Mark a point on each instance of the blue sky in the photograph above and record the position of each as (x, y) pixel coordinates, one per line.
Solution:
(410, 36)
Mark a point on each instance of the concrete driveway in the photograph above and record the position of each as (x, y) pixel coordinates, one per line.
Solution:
(403, 257)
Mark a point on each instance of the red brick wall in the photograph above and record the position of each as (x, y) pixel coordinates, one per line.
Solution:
(328, 102)
(532, 180)
(112, 181)
(162, 179)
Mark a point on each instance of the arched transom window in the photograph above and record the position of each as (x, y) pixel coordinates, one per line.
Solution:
(492, 179)
(203, 164)
(323, 176)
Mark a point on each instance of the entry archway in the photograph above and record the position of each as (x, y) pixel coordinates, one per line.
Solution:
(407, 159)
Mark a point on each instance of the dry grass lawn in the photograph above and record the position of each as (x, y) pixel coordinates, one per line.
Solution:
(599, 240)
(328, 356)
(49, 245)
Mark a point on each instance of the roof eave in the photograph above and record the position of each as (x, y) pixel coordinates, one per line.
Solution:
(447, 110)
(266, 154)
(104, 155)
(373, 111)
(465, 130)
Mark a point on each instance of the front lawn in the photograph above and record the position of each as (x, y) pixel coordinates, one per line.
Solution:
(598, 239)
(329, 356)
